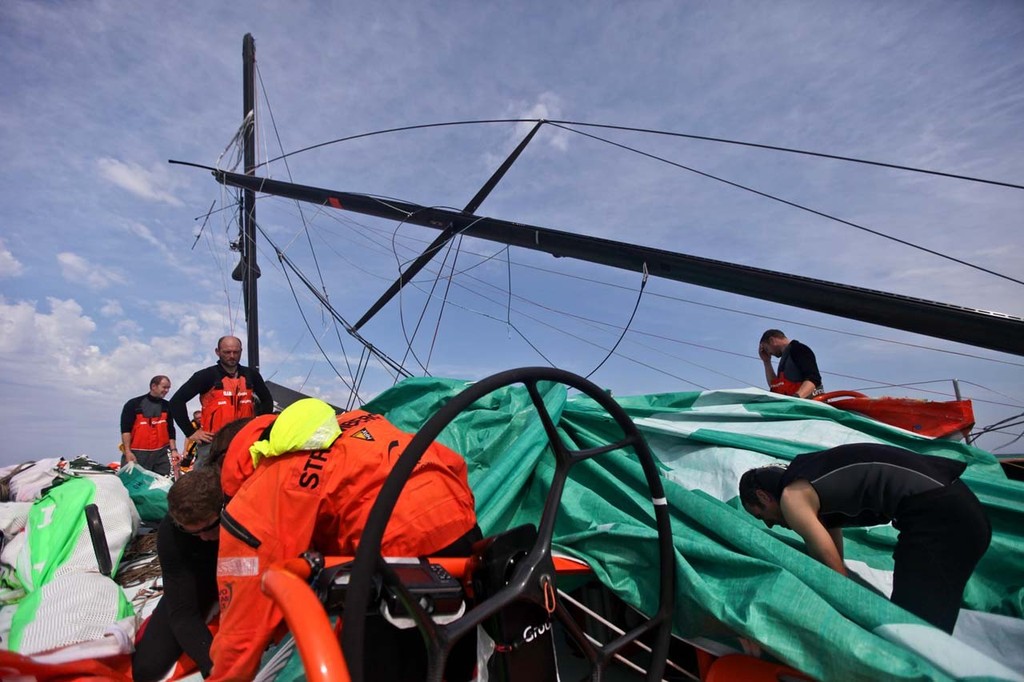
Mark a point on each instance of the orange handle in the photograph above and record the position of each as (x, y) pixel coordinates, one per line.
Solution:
(832, 395)
(307, 620)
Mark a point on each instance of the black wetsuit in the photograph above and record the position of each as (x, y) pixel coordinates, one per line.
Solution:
(178, 623)
(943, 529)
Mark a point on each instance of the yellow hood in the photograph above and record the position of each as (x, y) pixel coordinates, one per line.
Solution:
(307, 424)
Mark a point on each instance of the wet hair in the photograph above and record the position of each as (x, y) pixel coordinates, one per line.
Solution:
(221, 441)
(195, 497)
(157, 379)
(772, 334)
(763, 478)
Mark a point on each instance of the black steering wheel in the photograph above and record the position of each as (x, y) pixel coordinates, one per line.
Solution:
(534, 576)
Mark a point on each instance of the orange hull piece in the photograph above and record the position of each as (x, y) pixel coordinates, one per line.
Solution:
(953, 418)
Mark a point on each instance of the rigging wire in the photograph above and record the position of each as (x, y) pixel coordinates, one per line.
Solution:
(792, 150)
(507, 292)
(387, 363)
(305, 224)
(351, 386)
(793, 204)
(639, 296)
(287, 357)
(745, 356)
(447, 290)
(365, 228)
(509, 324)
(222, 271)
(561, 330)
(205, 218)
(997, 426)
(365, 232)
(510, 295)
(722, 140)
(394, 250)
(565, 125)
(379, 354)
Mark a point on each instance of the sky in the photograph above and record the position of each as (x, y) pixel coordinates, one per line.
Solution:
(115, 265)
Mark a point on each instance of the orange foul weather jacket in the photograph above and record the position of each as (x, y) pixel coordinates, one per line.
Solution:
(320, 499)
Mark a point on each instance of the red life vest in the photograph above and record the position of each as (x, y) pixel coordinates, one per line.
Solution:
(228, 400)
(149, 433)
(785, 386)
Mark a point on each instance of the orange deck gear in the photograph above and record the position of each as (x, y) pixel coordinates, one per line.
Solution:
(228, 400)
(149, 433)
(320, 499)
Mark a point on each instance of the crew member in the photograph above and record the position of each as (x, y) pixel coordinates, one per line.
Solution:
(147, 432)
(188, 457)
(943, 529)
(309, 484)
(186, 545)
(227, 391)
(798, 368)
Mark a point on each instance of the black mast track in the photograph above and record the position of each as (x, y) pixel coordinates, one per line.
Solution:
(980, 328)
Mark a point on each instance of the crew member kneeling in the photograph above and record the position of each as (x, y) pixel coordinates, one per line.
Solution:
(313, 481)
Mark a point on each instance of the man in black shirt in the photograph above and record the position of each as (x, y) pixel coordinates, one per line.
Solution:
(227, 391)
(943, 529)
(187, 548)
(147, 431)
(798, 368)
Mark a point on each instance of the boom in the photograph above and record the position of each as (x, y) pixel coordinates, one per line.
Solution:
(981, 328)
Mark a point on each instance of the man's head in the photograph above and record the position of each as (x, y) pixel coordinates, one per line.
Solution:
(159, 386)
(229, 352)
(758, 493)
(194, 503)
(774, 342)
(197, 416)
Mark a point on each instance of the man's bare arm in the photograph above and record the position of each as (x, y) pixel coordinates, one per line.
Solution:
(806, 388)
(800, 505)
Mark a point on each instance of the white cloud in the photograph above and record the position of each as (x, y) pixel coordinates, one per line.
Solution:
(147, 184)
(111, 308)
(52, 352)
(78, 270)
(140, 230)
(9, 265)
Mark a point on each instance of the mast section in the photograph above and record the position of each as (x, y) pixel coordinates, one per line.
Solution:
(250, 270)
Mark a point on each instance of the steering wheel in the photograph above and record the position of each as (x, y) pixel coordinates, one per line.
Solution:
(533, 578)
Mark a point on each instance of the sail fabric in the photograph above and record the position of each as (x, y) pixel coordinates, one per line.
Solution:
(67, 600)
(740, 585)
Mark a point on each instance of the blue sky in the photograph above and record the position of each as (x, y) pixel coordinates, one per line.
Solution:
(103, 282)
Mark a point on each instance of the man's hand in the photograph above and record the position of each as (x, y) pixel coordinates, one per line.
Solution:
(763, 353)
(201, 436)
(129, 456)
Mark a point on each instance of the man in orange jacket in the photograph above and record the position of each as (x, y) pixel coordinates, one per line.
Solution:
(308, 482)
